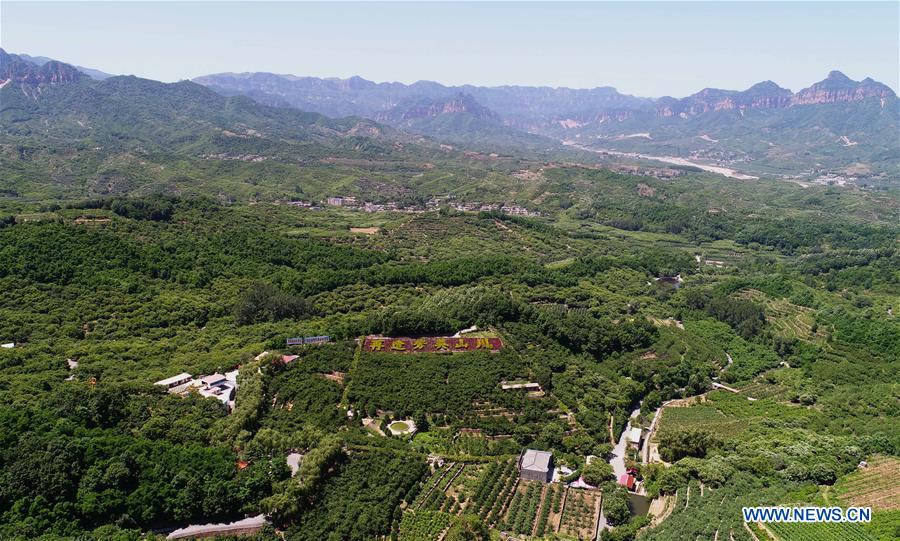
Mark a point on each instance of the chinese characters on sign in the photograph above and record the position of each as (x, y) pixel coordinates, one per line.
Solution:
(308, 340)
(434, 344)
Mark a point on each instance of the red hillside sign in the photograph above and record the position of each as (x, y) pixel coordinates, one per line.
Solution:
(431, 344)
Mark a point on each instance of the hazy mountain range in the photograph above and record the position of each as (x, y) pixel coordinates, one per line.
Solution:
(42, 60)
(63, 133)
(836, 124)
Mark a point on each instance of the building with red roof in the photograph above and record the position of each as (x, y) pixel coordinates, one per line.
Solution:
(627, 481)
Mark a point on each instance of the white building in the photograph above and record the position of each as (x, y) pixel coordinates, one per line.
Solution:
(247, 526)
(175, 381)
(634, 437)
(219, 386)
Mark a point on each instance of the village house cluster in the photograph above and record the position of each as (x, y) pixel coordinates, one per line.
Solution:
(353, 203)
(513, 210)
(661, 173)
(219, 386)
(254, 158)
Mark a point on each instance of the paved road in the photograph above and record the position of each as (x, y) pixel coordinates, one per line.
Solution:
(618, 453)
(617, 461)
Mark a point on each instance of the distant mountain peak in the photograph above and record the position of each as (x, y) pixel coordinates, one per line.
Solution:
(837, 87)
(43, 60)
(762, 95)
(712, 93)
(835, 75)
(466, 103)
(767, 87)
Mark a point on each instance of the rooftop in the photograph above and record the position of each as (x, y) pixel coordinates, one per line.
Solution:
(212, 379)
(205, 530)
(627, 481)
(536, 460)
(174, 379)
(635, 434)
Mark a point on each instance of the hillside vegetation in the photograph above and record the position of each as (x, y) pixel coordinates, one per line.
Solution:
(145, 233)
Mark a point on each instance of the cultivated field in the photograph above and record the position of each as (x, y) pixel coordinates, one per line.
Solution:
(726, 414)
(580, 513)
(494, 489)
(422, 525)
(365, 230)
(701, 416)
(440, 492)
(818, 532)
(787, 319)
(877, 486)
(454, 488)
(524, 507)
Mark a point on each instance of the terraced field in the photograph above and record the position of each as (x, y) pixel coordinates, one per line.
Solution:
(788, 320)
(876, 486)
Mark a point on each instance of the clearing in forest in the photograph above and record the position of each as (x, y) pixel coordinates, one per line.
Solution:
(365, 230)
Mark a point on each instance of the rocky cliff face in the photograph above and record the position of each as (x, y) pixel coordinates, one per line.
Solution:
(459, 103)
(763, 95)
(17, 70)
(837, 87)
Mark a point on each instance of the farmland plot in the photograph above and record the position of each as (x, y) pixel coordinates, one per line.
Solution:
(496, 485)
(551, 510)
(423, 525)
(430, 485)
(728, 415)
(787, 319)
(580, 513)
(819, 532)
(523, 509)
(876, 486)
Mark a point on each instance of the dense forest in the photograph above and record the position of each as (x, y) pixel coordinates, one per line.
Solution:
(170, 284)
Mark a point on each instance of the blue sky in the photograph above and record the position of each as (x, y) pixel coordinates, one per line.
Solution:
(641, 48)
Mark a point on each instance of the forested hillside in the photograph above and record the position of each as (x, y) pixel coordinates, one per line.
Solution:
(164, 286)
(213, 310)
